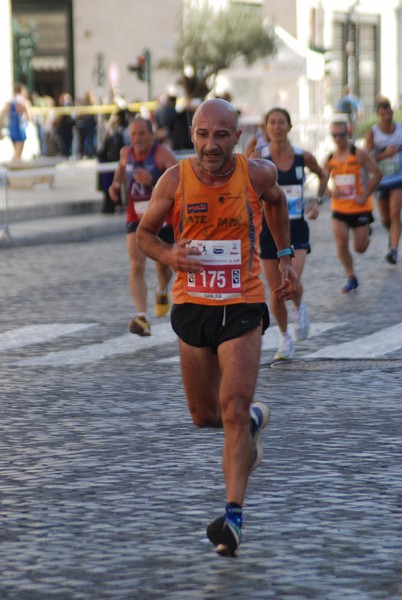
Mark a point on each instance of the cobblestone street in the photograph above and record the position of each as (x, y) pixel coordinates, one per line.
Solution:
(107, 487)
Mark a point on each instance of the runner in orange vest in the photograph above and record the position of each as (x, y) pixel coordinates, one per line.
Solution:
(219, 311)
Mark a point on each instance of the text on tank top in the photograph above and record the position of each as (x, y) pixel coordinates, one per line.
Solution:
(224, 224)
(138, 195)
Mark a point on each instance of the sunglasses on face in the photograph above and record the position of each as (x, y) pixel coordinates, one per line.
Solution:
(339, 135)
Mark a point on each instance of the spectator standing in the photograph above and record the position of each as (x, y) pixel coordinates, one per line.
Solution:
(350, 105)
(181, 139)
(63, 126)
(86, 125)
(16, 115)
(113, 142)
(165, 118)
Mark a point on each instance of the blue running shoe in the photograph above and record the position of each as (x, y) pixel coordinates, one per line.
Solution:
(392, 256)
(350, 285)
(225, 535)
(259, 414)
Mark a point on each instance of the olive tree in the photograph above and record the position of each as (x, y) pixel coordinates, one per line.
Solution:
(210, 40)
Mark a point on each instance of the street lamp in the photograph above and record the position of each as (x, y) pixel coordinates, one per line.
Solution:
(350, 47)
(351, 64)
(98, 75)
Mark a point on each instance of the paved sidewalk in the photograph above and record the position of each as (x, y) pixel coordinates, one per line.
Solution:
(64, 208)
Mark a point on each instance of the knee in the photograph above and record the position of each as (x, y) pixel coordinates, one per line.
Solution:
(203, 419)
(137, 268)
(235, 412)
(361, 247)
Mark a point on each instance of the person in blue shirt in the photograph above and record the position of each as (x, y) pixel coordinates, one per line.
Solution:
(16, 114)
(350, 105)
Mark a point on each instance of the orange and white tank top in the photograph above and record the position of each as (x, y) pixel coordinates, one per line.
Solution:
(224, 223)
(347, 176)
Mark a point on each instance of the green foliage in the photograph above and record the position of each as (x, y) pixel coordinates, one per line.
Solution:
(210, 40)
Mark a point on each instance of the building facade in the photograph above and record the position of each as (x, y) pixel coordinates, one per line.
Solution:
(79, 46)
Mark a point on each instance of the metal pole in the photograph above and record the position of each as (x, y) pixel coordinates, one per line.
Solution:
(5, 229)
(148, 73)
(98, 75)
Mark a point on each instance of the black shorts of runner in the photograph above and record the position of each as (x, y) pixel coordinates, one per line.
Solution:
(354, 220)
(299, 238)
(384, 188)
(166, 233)
(208, 326)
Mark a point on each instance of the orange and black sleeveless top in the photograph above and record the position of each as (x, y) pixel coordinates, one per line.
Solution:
(224, 224)
(348, 179)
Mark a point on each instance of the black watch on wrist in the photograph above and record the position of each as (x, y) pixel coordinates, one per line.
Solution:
(286, 252)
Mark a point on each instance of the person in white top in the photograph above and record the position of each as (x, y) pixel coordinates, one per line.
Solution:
(384, 141)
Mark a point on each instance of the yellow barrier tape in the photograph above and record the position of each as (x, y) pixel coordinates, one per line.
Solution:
(101, 109)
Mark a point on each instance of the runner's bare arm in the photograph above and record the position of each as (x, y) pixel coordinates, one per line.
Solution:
(369, 140)
(263, 174)
(374, 172)
(263, 178)
(311, 163)
(176, 255)
(118, 177)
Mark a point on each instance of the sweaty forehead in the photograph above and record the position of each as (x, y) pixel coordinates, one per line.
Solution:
(215, 117)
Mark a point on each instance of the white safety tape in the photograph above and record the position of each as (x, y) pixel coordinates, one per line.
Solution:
(58, 169)
(67, 167)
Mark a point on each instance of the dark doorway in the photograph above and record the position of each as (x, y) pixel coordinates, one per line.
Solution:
(43, 52)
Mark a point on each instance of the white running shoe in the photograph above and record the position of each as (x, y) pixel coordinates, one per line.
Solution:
(300, 322)
(286, 347)
(259, 414)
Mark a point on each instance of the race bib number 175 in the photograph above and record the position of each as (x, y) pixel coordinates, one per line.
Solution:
(221, 278)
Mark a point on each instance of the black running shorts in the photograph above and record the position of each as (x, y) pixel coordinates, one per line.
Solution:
(354, 220)
(166, 233)
(299, 238)
(208, 326)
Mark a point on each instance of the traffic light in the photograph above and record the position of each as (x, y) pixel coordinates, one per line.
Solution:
(142, 66)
